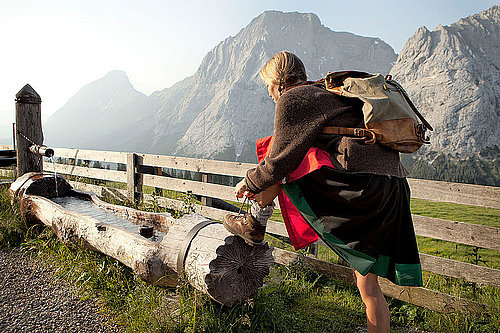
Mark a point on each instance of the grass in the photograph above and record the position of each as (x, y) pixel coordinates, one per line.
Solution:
(294, 298)
(462, 213)
(12, 228)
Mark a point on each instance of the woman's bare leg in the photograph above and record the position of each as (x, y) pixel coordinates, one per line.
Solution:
(377, 311)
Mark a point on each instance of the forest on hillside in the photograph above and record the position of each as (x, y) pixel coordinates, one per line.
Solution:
(481, 169)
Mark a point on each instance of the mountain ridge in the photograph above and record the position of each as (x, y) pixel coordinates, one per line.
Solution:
(220, 110)
(224, 107)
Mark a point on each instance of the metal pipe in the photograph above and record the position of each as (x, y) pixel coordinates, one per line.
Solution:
(42, 150)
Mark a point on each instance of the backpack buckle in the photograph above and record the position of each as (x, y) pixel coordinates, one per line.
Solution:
(370, 135)
(359, 132)
(420, 130)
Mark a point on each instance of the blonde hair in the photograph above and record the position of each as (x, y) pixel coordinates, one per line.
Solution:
(284, 69)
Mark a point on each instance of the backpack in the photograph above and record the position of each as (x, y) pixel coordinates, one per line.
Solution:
(390, 117)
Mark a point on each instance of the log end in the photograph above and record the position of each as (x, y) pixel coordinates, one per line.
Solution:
(238, 270)
(41, 184)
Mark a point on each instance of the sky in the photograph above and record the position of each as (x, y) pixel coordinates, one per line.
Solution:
(58, 46)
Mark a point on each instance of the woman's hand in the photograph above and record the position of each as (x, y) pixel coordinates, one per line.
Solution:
(241, 190)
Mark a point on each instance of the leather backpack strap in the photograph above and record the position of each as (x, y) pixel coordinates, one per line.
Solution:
(356, 132)
(338, 130)
(336, 90)
(388, 79)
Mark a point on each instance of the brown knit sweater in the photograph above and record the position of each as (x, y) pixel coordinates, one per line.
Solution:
(301, 113)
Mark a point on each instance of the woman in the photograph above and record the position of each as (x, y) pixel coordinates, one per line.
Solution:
(357, 201)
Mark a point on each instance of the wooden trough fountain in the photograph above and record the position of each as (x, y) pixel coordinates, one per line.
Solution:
(212, 260)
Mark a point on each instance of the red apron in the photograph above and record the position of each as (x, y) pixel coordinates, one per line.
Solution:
(300, 233)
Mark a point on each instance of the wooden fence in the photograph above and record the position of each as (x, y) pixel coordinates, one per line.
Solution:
(146, 170)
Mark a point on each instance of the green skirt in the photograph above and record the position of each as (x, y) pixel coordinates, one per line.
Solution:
(363, 218)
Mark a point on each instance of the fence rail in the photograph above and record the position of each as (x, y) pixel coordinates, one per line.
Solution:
(145, 170)
(465, 194)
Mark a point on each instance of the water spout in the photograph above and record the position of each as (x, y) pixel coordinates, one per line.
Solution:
(42, 150)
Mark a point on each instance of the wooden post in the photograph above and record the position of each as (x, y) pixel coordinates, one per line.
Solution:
(314, 250)
(138, 178)
(206, 201)
(28, 130)
(134, 178)
(14, 136)
(131, 176)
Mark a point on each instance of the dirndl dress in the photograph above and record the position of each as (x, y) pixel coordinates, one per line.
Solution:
(364, 218)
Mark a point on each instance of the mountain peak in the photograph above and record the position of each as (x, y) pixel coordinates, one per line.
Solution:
(207, 114)
(277, 21)
(492, 12)
(274, 15)
(116, 74)
(452, 74)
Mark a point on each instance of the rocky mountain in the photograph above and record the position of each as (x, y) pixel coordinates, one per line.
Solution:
(224, 107)
(100, 109)
(221, 110)
(453, 75)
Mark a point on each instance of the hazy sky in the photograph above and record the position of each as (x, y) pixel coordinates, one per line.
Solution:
(59, 46)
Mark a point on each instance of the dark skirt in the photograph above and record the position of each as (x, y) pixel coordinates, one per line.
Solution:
(364, 218)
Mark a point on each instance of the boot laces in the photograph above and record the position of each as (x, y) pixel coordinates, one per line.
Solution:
(247, 202)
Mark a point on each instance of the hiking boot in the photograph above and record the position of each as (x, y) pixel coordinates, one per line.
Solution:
(246, 227)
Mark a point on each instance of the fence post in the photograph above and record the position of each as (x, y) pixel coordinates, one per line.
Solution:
(28, 130)
(206, 201)
(134, 178)
(14, 136)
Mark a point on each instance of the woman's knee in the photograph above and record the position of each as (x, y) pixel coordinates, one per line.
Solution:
(367, 284)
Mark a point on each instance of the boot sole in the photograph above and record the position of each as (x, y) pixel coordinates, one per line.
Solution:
(245, 238)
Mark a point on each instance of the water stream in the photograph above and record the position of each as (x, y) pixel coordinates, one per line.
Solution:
(55, 175)
(86, 207)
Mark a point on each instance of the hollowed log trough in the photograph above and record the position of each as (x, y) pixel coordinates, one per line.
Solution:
(211, 259)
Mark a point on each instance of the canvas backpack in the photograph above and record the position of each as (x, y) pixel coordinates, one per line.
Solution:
(390, 117)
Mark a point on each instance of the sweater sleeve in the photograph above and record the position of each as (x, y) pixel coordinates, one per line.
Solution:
(297, 124)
